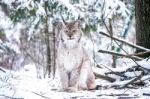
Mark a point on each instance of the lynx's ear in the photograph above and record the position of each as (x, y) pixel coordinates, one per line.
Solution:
(78, 25)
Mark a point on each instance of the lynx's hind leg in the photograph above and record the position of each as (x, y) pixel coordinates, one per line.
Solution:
(87, 78)
(91, 84)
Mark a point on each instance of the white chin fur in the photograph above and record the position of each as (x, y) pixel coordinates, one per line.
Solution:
(70, 44)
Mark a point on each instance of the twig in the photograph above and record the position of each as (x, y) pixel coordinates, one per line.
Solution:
(2, 70)
(104, 77)
(10, 97)
(41, 95)
(123, 41)
(118, 54)
(116, 73)
(126, 43)
(131, 81)
(32, 58)
(146, 94)
(113, 94)
(121, 73)
(133, 97)
(140, 53)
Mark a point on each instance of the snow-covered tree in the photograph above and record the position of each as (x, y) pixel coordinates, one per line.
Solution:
(38, 18)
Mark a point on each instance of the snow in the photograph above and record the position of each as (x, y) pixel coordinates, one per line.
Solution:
(40, 10)
(24, 84)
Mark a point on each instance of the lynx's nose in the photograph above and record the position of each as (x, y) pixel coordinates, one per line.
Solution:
(70, 37)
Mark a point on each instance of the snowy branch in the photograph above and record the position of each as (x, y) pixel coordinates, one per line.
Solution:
(119, 54)
(104, 77)
(2, 70)
(131, 81)
(125, 42)
(140, 53)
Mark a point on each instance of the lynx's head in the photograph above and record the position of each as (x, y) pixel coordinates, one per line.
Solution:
(71, 34)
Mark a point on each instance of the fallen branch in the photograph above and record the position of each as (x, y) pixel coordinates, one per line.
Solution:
(125, 42)
(131, 81)
(118, 73)
(2, 70)
(121, 74)
(121, 96)
(104, 77)
(140, 53)
(113, 95)
(118, 54)
(8, 97)
(130, 97)
(41, 95)
(146, 94)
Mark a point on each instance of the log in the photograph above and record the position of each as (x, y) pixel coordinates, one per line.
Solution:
(104, 77)
(125, 42)
(119, 54)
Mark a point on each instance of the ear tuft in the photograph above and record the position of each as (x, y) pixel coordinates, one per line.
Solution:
(63, 19)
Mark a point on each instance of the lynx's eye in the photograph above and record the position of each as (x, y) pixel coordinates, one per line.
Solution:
(66, 31)
(74, 31)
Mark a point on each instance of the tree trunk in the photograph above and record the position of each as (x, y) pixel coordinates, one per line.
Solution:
(48, 49)
(143, 24)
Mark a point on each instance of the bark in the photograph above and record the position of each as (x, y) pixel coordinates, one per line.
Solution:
(48, 52)
(143, 24)
(112, 46)
(48, 49)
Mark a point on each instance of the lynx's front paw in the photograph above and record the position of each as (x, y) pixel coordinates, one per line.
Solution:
(71, 89)
(83, 87)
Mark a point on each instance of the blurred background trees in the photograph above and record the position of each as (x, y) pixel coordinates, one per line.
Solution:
(28, 29)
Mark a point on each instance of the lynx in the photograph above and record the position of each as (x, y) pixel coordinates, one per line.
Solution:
(73, 62)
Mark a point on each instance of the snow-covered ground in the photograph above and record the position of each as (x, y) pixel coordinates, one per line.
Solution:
(24, 84)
